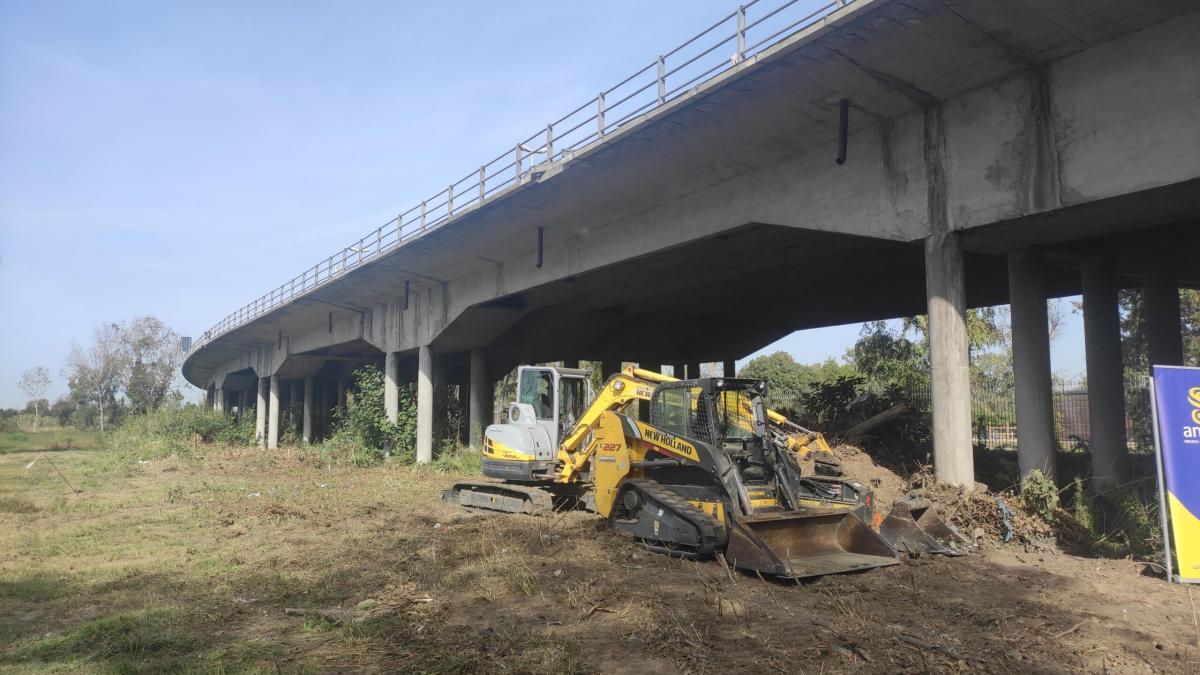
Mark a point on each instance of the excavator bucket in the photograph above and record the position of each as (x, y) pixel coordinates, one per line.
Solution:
(811, 545)
(914, 527)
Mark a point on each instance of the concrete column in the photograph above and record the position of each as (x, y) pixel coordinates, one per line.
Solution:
(219, 400)
(1160, 302)
(391, 388)
(571, 363)
(729, 368)
(241, 406)
(609, 367)
(1105, 374)
(480, 413)
(693, 370)
(310, 395)
(341, 393)
(273, 423)
(945, 288)
(425, 404)
(295, 404)
(1031, 362)
(260, 413)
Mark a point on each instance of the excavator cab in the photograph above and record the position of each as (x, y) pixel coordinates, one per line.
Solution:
(549, 402)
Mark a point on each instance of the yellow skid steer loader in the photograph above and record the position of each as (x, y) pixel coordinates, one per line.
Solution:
(701, 468)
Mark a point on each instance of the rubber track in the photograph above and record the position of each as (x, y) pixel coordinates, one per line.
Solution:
(712, 534)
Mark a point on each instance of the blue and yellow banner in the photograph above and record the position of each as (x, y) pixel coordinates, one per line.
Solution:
(1177, 426)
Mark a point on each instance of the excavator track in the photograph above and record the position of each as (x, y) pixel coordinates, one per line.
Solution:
(504, 497)
(665, 522)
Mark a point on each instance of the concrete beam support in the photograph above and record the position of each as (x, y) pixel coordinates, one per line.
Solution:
(1031, 362)
(729, 368)
(295, 404)
(609, 367)
(945, 286)
(219, 400)
(425, 377)
(260, 413)
(391, 387)
(1105, 374)
(1160, 302)
(310, 396)
(480, 413)
(273, 423)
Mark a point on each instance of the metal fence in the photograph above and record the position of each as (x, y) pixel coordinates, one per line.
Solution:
(740, 35)
(994, 414)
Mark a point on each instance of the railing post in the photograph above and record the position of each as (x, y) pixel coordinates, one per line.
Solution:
(600, 115)
(549, 142)
(422, 215)
(361, 246)
(662, 80)
(482, 183)
(379, 237)
(450, 200)
(345, 258)
(741, 32)
(517, 161)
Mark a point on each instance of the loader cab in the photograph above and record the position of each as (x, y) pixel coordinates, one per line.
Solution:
(727, 414)
(558, 397)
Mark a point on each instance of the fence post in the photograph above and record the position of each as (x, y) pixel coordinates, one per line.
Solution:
(600, 115)
(662, 80)
(741, 32)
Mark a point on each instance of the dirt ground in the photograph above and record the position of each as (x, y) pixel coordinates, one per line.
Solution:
(243, 561)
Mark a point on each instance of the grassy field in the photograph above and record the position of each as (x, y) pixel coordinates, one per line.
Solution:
(241, 560)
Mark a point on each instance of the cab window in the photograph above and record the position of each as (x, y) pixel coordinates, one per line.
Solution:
(536, 388)
(572, 391)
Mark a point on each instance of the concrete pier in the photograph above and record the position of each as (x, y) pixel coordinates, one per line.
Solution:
(425, 375)
(1031, 362)
(1105, 374)
(480, 399)
(950, 373)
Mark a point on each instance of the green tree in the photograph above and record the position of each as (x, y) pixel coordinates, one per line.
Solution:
(788, 380)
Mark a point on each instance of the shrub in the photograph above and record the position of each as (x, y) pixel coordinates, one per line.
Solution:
(179, 430)
(363, 432)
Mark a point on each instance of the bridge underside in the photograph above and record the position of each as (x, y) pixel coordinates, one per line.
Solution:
(998, 152)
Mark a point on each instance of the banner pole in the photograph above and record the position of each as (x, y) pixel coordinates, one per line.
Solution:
(1162, 485)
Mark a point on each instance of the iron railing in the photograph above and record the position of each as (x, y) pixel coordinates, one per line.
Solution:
(745, 32)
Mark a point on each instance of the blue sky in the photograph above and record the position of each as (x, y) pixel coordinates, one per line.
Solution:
(179, 159)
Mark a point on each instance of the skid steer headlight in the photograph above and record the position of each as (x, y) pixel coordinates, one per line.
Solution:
(720, 384)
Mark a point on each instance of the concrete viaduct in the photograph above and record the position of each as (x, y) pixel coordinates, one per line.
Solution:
(880, 158)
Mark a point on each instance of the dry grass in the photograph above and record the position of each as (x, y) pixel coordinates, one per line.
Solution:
(189, 565)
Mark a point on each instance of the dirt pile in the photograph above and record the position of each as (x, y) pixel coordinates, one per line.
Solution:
(997, 518)
(981, 514)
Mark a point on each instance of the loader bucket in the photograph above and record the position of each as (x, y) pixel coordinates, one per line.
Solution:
(914, 527)
(796, 546)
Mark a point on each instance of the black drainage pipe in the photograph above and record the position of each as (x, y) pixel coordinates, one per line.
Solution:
(843, 130)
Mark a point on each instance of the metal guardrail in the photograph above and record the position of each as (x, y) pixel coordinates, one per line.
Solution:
(752, 28)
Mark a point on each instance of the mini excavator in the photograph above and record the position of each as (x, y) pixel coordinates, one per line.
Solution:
(692, 468)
